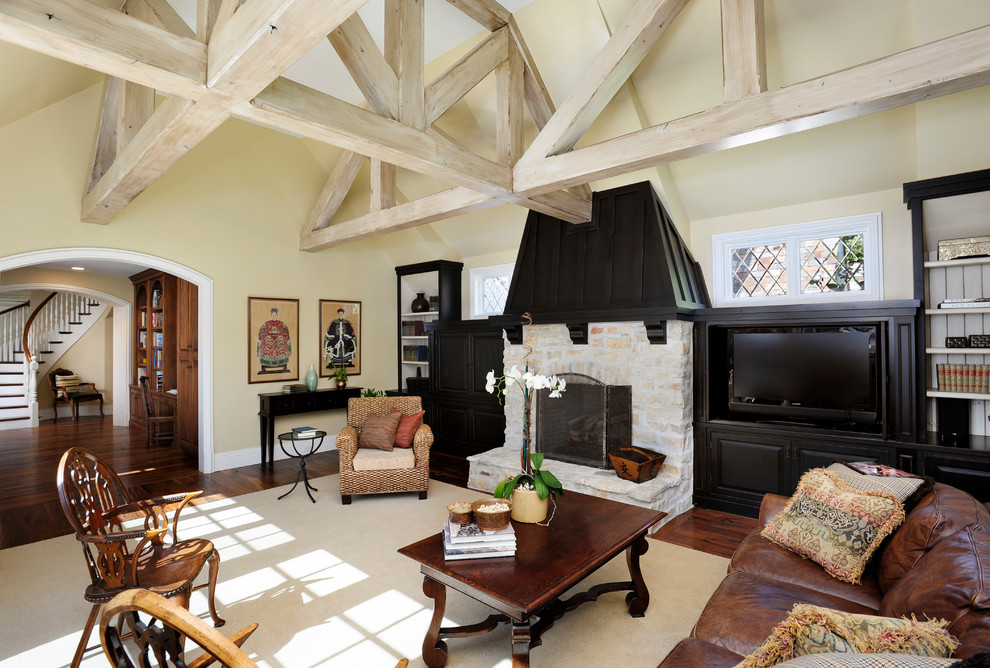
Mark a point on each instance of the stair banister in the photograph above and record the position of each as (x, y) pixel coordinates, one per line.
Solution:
(11, 325)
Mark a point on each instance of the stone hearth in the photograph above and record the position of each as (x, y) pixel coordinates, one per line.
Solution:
(616, 354)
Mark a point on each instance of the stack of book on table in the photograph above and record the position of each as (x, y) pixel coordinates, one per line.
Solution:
(467, 541)
(291, 389)
(304, 432)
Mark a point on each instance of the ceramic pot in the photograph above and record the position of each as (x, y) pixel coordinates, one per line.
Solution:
(421, 304)
(311, 378)
(341, 384)
(528, 507)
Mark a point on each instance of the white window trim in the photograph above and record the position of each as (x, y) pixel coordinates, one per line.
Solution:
(866, 224)
(478, 275)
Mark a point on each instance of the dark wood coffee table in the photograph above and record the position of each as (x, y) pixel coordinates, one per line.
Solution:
(525, 589)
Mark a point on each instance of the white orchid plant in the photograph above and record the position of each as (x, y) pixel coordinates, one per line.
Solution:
(544, 482)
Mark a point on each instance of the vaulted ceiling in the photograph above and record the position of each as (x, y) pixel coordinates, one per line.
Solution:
(177, 71)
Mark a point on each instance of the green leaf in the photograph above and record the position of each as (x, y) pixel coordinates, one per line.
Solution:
(551, 480)
(500, 489)
(542, 490)
(537, 459)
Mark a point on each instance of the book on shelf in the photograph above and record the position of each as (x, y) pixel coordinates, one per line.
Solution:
(967, 302)
(156, 298)
(964, 378)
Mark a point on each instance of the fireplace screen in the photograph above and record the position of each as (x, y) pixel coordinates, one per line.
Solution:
(588, 420)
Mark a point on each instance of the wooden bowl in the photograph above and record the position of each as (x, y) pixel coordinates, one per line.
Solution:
(492, 521)
(460, 512)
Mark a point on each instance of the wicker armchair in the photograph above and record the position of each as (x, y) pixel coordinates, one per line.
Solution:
(383, 481)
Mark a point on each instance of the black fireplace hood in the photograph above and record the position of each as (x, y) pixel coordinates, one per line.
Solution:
(628, 263)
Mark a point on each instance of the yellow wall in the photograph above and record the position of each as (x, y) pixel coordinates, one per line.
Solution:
(231, 210)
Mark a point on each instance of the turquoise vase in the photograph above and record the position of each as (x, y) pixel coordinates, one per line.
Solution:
(311, 378)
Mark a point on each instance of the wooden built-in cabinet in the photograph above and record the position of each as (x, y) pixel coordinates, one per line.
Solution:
(166, 351)
(465, 418)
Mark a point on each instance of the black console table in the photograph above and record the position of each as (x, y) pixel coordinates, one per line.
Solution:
(274, 404)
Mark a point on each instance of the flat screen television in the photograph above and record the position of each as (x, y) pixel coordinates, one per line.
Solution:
(821, 373)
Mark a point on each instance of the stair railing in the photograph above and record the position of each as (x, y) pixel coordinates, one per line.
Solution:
(12, 323)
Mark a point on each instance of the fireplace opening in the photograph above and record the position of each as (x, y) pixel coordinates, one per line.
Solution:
(589, 420)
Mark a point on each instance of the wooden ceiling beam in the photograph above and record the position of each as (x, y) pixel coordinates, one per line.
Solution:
(293, 107)
(510, 99)
(340, 181)
(265, 37)
(367, 66)
(405, 51)
(488, 13)
(160, 14)
(175, 127)
(108, 41)
(623, 52)
(458, 79)
(427, 209)
(949, 65)
(744, 62)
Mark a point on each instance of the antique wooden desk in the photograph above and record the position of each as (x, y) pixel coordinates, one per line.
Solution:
(584, 535)
(274, 404)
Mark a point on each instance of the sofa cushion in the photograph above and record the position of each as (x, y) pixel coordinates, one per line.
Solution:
(380, 460)
(810, 629)
(951, 581)
(759, 556)
(907, 488)
(695, 653)
(744, 609)
(378, 431)
(408, 424)
(942, 512)
(872, 660)
(834, 525)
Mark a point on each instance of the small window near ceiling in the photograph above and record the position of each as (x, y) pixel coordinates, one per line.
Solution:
(826, 260)
(489, 289)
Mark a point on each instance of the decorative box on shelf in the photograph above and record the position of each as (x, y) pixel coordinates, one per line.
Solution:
(636, 464)
(979, 340)
(951, 249)
(956, 342)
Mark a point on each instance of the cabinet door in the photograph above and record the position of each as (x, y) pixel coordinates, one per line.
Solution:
(486, 355)
(970, 474)
(452, 355)
(745, 468)
(452, 429)
(809, 455)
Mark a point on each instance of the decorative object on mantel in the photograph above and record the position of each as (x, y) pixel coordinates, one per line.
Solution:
(311, 378)
(637, 464)
(956, 249)
(421, 304)
(955, 342)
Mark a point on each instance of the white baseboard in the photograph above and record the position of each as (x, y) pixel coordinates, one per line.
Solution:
(252, 456)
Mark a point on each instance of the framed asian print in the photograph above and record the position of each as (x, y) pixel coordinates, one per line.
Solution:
(273, 339)
(340, 336)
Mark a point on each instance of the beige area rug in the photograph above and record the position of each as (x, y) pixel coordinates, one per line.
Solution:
(328, 588)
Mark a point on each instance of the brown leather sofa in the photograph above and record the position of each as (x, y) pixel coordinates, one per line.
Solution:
(935, 565)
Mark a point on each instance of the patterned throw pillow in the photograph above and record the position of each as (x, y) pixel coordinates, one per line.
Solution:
(809, 629)
(834, 525)
(378, 432)
(843, 660)
(867, 476)
(408, 424)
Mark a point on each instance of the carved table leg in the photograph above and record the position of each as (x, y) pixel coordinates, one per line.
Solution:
(521, 638)
(434, 649)
(637, 600)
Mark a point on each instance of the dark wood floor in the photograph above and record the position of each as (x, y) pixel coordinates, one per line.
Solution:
(30, 511)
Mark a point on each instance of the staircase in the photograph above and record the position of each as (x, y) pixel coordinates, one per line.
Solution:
(53, 328)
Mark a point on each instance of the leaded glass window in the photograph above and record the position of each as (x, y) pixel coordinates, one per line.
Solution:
(828, 260)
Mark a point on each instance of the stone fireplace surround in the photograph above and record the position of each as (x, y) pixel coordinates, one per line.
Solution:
(616, 354)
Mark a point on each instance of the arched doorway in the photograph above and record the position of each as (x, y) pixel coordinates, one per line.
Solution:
(142, 260)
